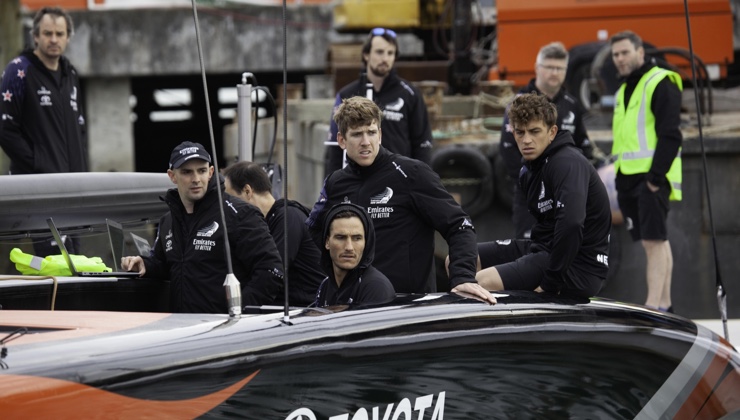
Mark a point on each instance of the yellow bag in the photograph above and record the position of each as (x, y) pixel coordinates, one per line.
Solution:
(54, 265)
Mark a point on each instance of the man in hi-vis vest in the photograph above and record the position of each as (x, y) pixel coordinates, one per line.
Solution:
(647, 145)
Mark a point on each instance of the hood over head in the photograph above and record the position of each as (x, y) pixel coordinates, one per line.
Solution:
(369, 252)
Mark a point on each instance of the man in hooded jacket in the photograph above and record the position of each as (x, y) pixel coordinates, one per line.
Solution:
(550, 70)
(249, 181)
(347, 258)
(190, 249)
(569, 248)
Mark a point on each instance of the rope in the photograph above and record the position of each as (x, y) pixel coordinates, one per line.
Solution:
(53, 279)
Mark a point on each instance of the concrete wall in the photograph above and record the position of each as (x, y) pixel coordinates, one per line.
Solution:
(163, 41)
(110, 134)
(690, 236)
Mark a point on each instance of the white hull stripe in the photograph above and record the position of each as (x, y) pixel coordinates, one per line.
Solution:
(678, 387)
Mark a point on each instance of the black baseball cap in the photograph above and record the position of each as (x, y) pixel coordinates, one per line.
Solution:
(188, 150)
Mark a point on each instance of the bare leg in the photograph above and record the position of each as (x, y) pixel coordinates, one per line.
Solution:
(665, 297)
(490, 279)
(659, 272)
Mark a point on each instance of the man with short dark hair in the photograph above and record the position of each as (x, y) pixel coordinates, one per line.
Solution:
(42, 127)
(190, 247)
(647, 145)
(550, 69)
(407, 203)
(405, 119)
(569, 248)
(249, 181)
(347, 257)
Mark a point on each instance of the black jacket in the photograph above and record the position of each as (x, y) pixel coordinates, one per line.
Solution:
(42, 127)
(305, 273)
(666, 107)
(570, 203)
(362, 285)
(407, 203)
(570, 118)
(189, 250)
(405, 123)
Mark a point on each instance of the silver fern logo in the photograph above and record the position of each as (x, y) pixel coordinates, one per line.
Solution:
(383, 197)
(208, 231)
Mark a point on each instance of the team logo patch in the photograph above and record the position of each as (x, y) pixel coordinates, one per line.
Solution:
(209, 230)
(383, 197)
(396, 105)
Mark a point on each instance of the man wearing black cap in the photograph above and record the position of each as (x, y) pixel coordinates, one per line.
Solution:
(189, 249)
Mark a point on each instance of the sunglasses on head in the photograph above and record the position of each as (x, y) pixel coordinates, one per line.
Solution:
(383, 31)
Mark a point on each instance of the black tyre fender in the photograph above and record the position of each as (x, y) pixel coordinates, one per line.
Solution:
(465, 172)
(504, 184)
(579, 72)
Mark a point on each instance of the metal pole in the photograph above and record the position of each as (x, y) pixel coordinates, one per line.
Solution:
(244, 118)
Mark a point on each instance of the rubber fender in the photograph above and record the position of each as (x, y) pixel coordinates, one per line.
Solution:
(467, 174)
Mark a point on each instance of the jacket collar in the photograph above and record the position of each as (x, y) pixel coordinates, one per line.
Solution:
(563, 138)
(364, 171)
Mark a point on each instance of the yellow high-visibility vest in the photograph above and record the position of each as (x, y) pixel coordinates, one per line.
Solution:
(634, 130)
(54, 265)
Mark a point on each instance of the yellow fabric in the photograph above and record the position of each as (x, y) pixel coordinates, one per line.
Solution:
(54, 265)
(635, 138)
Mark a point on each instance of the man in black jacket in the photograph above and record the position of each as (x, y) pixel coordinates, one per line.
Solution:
(569, 248)
(42, 128)
(405, 123)
(249, 181)
(190, 248)
(347, 258)
(550, 70)
(406, 201)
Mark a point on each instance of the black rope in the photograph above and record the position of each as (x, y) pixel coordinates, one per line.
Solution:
(227, 247)
(285, 161)
(721, 294)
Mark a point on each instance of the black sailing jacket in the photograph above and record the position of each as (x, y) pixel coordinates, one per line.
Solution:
(189, 251)
(407, 202)
(568, 199)
(42, 127)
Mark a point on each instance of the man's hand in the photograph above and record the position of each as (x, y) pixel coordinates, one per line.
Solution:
(133, 264)
(652, 187)
(474, 290)
(539, 290)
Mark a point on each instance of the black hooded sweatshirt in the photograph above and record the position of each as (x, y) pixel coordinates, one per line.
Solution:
(305, 274)
(362, 285)
(569, 201)
(570, 118)
(405, 122)
(407, 202)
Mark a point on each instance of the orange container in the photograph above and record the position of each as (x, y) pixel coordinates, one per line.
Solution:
(525, 26)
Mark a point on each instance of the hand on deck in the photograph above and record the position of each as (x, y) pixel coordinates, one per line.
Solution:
(475, 290)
